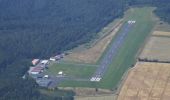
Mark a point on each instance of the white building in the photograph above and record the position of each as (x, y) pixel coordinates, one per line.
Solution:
(44, 62)
(52, 59)
(46, 76)
(60, 73)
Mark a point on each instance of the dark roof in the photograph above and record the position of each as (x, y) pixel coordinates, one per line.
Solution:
(43, 82)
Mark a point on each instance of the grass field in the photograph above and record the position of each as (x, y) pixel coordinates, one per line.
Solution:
(72, 69)
(147, 81)
(125, 57)
(157, 48)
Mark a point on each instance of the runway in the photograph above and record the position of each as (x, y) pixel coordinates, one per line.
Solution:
(111, 54)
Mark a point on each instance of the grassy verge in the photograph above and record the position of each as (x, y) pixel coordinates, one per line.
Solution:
(58, 93)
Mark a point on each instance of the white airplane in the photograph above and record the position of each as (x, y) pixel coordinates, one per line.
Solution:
(133, 22)
(98, 79)
(93, 79)
(129, 22)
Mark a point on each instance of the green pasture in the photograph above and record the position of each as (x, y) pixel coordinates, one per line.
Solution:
(72, 69)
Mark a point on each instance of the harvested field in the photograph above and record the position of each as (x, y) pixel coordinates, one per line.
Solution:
(147, 81)
(157, 48)
(161, 33)
(92, 54)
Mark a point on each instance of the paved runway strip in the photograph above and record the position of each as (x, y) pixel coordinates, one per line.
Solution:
(109, 57)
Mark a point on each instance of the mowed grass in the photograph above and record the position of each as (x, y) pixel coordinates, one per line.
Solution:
(72, 69)
(125, 57)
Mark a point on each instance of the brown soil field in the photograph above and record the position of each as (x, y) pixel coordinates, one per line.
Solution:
(161, 33)
(157, 48)
(92, 54)
(147, 81)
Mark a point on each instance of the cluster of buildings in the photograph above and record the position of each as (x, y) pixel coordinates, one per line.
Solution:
(39, 66)
(57, 57)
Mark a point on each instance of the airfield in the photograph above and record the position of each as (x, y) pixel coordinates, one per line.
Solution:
(119, 53)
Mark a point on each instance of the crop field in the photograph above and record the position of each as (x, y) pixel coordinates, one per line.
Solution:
(157, 48)
(126, 55)
(147, 81)
(161, 33)
(92, 54)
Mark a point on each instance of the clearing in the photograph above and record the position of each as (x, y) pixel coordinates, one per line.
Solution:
(147, 81)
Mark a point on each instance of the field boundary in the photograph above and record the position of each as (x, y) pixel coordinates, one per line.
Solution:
(154, 61)
(163, 36)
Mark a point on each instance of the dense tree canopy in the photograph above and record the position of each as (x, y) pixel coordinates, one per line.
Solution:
(41, 28)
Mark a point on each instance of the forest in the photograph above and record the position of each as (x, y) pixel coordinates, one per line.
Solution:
(42, 28)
